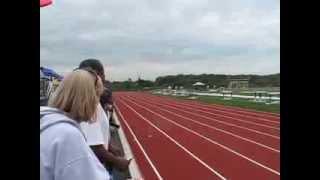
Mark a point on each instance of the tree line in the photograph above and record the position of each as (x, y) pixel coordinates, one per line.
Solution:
(186, 81)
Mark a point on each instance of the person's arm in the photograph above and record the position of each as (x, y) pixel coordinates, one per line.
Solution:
(83, 169)
(113, 148)
(95, 139)
(107, 157)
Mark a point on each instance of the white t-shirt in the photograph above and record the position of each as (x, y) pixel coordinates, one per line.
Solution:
(97, 133)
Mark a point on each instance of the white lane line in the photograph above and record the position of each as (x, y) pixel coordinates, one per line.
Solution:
(242, 115)
(140, 146)
(212, 127)
(235, 109)
(223, 111)
(222, 122)
(133, 166)
(245, 111)
(174, 141)
(237, 119)
(213, 142)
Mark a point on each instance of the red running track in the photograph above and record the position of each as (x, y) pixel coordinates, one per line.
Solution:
(173, 139)
(240, 111)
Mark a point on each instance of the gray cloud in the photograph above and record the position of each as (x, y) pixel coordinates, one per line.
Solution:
(162, 37)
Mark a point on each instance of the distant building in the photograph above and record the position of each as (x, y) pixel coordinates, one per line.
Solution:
(199, 86)
(242, 83)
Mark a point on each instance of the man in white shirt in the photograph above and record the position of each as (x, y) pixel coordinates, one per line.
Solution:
(98, 138)
(98, 133)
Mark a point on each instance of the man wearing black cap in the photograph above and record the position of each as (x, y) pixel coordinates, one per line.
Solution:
(98, 133)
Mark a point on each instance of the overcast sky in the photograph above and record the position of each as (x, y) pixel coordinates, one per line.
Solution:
(162, 37)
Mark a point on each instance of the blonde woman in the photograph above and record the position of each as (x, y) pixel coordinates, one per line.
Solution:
(64, 153)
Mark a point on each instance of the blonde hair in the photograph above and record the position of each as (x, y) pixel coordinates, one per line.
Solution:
(77, 96)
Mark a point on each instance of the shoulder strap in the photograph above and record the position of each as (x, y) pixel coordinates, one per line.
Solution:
(57, 121)
(51, 111)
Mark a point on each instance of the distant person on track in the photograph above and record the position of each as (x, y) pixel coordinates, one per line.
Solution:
(64, 153)
(98, 133)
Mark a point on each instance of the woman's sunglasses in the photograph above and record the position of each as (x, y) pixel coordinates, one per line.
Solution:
(91, 71)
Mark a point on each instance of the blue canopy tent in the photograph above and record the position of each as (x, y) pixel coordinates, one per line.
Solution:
(46, 87)
(42, 76)
(48, 73)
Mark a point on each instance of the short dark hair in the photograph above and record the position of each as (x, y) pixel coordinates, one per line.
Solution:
(95, 64)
